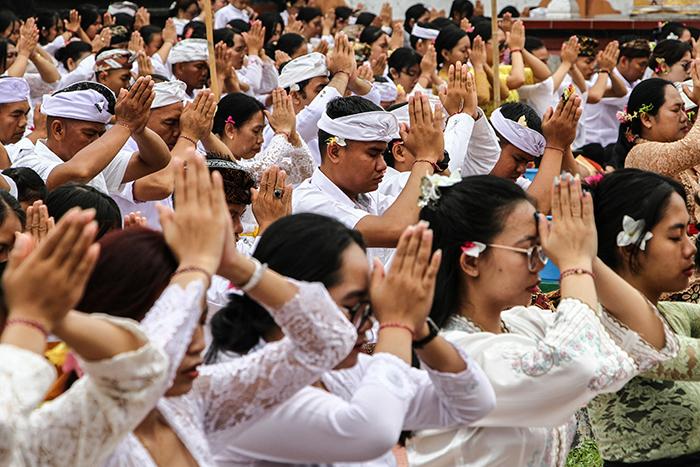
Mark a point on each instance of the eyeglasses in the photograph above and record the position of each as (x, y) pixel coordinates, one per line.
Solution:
(502, 46)
(686, 66)
(360, 313)
(535, 255)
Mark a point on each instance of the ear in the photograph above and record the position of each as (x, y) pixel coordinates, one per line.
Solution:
(57, 129)
(101, 76)
(296, 97)
(177, 69)
(334, 151)
(444, 53)
(469, 265)
(646, 120)
(230, 130)
(624, 61)
(393, 73)
(398, 152)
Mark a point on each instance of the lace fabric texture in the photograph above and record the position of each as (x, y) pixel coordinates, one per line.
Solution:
(229, 396)
(83, 425)
(296, 161)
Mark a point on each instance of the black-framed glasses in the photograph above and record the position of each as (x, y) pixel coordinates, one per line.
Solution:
(686, 65)
(535, 255)
(360, 313)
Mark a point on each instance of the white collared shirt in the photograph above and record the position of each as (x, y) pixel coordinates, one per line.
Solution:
(393, 182)
(601, 120)
(229, 13)
(319, 195)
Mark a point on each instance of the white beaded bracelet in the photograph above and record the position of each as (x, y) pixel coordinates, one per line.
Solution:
(257, 275)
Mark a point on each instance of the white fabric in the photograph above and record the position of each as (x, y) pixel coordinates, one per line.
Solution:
(388, 91)
(229, 396)
(82, 72)
(169, 92)
(13, 186)
(543, 370)
(320, 195)
(87, 105)
(365, 126)
(13, 90)
(602, 125)
(52, 47)
(302, 68)
(14, 150)
(296, 161)
(393, 182)
(518, 135)
(523, 182)
(42, 160)
(472, 145)
(189, 50)
(128, 8)
(229, 13)
(82, 426)
(342, 425)
(425, 33)
(539, 96)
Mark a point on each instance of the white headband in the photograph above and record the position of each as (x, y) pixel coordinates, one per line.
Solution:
(425, 33)
(302, 68)
(388, 92)
(128, 8)
(13, 90)
(365, 126)
(87, 105)
(518, 135)
(189, 50)
(169, 92)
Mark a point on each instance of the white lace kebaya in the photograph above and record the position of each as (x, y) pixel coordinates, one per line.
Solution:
(229, 396)
(82, 426)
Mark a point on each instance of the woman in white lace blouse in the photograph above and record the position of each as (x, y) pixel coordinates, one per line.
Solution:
(239, 123)
(543, 366)
(214, 403)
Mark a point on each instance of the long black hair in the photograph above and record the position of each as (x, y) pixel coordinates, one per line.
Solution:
(306, 247)
(473, 210)
(447, 40)
(240, 107)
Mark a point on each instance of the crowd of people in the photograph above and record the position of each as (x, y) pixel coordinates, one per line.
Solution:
(322, 244)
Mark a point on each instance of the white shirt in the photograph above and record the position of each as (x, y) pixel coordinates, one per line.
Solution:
(341, 425)
(472, 145)
(13, 150)
(320, 195)
(543, 370)
(42, 160)
(393, 182)
(580, 139)
(602, 125)
(229, 13)
(539, 96)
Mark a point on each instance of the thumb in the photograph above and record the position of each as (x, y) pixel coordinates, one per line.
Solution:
(166, 217)
(377, 274)
(687, 91)
(543, 228)
(254, 193)
(21, 249)
(548, 114)
(403, 131)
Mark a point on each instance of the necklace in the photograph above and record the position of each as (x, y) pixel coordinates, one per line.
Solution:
(504, 328)
(159, 460)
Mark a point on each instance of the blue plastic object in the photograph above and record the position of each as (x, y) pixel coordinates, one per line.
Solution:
(530, 174)
(550, 273)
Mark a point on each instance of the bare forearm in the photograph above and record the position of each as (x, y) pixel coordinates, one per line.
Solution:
(396, 341)
(212, 143)
(48, 72)
(516, 78)
(153, 151)
(540, 71)
(19, 67)
(440, 355)
(595, 93)
(559, 75)
(541, 187)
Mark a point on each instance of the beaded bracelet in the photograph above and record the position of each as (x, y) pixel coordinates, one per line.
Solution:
(434, 164)
(428, 77)
(256, 277)
(512, 51)
(604, 70)
(556, 149)
(192, 269)
(285, 134)
(572, 272)
(342, 71)
(399, 325)
(188, 139)
(72, 31)
(125, 126)
(28, 322)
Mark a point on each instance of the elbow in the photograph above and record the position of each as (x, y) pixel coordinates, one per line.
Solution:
(593, 99)
(515, 83)
(379, 436)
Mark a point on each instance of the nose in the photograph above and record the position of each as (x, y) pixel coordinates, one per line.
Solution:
(690, 248)
(381, 165)
(197, 344)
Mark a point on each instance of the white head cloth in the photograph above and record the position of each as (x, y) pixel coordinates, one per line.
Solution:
(402, 116)
(425, 33)
(189, 50)
(365, 126)
(388, 92)
(128, 8)
(87, 105)
(518, 135)
(302, 68)
(169, 92)
(13, 90)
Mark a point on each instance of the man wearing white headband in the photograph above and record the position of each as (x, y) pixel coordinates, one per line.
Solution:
(189, 60)
(78, 149)
(353, 133)
(113, 68)
(306, 80)
(14, 108)
(524, 137)
(423, 35)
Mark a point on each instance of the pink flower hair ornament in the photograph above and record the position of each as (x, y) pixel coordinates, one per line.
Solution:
(473, 249)
(230, 120)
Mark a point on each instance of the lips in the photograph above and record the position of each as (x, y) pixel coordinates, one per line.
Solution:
(534, 288)
(690, 271)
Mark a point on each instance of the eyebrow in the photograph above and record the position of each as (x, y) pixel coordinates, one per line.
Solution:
(355, 293)
(678, 226)
(376, 148)
(529, 238)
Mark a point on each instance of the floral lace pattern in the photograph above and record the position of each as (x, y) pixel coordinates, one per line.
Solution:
(296, 161)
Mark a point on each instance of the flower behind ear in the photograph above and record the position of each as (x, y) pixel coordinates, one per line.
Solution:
(633, 233)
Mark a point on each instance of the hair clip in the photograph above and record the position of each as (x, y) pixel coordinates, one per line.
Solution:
(671, 37)
(230, 120)
(633, 233)
(430, 188)
(568, 91)
(473, 249)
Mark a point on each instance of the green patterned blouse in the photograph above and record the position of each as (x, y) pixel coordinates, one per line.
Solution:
(656, 415)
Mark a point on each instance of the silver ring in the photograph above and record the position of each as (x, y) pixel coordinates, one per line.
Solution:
(278, 193)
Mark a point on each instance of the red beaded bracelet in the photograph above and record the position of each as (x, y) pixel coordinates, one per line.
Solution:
(191, 140)
(512, 51)
(399, 325)
(572, 272)
(28, 322)
(435, 166)
(556, 149)
(192, 269)
(342, 71)
(285, 134)
(125, 126)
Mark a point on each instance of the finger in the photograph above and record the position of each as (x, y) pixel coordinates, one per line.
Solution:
(401, 247)
(287, 198)
(180, 194)
(80, 247)
(587, 208)
(543, 228)
(565, 198)
(575, 196)
(377, 274)
(412, 110)
(265, 182)
(414, 242)
(432, 270)
(423, 254)
(556, 199)
(281, 180)
(202, 181)
(71, 235)
(83, 269)
(437, 121)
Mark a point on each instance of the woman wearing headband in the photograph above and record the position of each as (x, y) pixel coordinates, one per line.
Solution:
(543, 366)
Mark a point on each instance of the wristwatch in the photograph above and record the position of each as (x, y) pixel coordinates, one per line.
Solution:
(434, 330)
(445, 162)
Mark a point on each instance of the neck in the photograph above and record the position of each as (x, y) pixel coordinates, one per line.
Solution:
(640, 284)
(480, 311)
(328, 172)
(150, 424)
(53, 145)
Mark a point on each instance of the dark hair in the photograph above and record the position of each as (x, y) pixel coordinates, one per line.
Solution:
(124, 19)
(371, 34)
(181, 5)
(509, 9)
(9, 204)
(662, 31)
(89, 15)
(474, 210)
(481, 29)
(270, 20)
(447, 40)
(7, 19)
(342, 13)
(133, 269)
(240, 107)
(670, 51)
(694, 32)
(45, 20)
(70, 195)
(533, 43)
(4, 41)
(342, 107)
(464, 7)
(441, 23)
(149, 32)
(308, 13)
(313, 254)
(290, 43)
(414, 40)
(515, 110)
(74, 50)
(636, 193)
(239, 25)
(365, 18)
(195, 30)
(225, 35)
(413, 13)
(30, 186)
(403, 58)
(650, 91)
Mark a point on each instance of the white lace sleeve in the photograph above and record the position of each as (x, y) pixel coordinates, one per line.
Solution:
(296, 161)
(238, 392)
(82, 426)
(172, 321)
